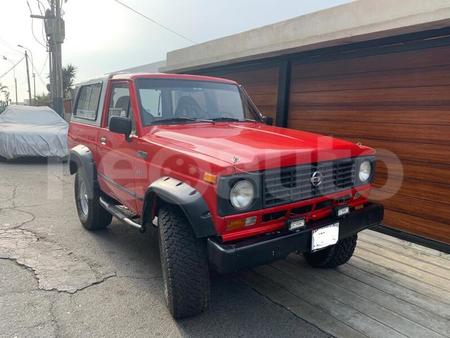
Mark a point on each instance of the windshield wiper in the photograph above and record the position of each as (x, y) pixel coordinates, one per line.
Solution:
(226, 119)
(180, 120)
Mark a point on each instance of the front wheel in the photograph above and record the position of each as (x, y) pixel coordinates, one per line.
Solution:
(184, 264)
(91, 214)
(333, 256)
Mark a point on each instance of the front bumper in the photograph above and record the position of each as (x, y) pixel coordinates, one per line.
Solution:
(227, 258)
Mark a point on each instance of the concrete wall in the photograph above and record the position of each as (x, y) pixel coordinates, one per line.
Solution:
(357, 21)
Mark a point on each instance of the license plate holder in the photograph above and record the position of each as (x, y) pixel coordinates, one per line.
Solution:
(324, 236)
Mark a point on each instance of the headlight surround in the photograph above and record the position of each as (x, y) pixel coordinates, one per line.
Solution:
(365, 171)
(242, 194)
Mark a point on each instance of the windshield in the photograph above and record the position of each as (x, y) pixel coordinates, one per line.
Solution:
(167, 101)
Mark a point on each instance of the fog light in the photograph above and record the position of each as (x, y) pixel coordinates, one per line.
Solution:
(250, 221)
(296, 224)
(342, 211)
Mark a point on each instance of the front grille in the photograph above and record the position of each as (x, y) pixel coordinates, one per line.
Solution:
(292, 184)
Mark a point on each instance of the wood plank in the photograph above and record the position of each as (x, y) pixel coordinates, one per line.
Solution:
(261, 88)
(407, 318)
(397, 78)
(400, 279)
(409, 133)
(408, 97)
(265, 100)
(404, 250)
(426, 172)
(368, 114)
(421, 226)
(395, 290)
(336, 307)
(262, 75)
(414, 188)
(403, 210)
(261, 85)
(311, 313)
(431, 269)
(411, 152)
(408, 60)
(405, 244)
(440, 284)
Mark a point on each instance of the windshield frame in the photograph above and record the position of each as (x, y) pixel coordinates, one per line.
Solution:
(247, 104)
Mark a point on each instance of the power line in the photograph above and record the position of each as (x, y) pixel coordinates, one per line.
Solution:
(38, 74)
(155, 22)
(44, 64)
(32, 26)
(10, 69)
(8, 45)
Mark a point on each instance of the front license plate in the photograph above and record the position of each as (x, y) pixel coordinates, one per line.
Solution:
(326, 236)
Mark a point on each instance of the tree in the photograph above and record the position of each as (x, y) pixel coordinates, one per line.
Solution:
(42, 100)
(69, 73)
(5, 91)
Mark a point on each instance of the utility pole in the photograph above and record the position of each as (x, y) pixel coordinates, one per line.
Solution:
(56, 39)
(28, 78)
(55, 32)
(34, 88)
(34, 74)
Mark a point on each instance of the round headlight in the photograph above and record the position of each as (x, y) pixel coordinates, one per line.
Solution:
(365, 170)
(242, 194)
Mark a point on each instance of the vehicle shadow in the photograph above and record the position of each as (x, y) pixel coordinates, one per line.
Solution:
(235, 308)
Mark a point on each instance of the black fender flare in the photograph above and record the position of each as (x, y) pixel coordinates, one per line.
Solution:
(191, 202)
(81, 158)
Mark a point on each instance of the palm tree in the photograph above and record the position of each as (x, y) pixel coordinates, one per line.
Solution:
(5, 91)
(69, 73)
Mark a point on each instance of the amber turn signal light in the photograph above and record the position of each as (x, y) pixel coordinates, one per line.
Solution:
(210, 178)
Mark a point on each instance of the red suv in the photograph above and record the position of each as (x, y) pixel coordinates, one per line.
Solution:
(193, 156)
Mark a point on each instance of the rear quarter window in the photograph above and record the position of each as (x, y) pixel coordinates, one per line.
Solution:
(87, 101)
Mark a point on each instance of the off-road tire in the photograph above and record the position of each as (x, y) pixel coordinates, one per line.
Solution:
(184, 264)
(96, 217)
(333, 256)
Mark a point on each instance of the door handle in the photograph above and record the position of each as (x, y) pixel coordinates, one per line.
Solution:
(103, 140)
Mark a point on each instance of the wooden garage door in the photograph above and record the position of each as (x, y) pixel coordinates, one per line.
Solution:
(261, 85)
(399, 102)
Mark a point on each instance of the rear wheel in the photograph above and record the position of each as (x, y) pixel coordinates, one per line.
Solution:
(333, 256)
(90, 212)
(184, 264)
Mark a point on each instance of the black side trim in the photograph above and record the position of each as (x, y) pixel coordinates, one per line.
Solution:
(429, 243)
(176, 192)
(81, 158)
(120, 187)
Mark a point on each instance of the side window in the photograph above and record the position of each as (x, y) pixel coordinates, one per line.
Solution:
(119, 103)
(87, 101)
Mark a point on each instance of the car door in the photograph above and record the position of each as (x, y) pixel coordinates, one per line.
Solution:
(117, 154)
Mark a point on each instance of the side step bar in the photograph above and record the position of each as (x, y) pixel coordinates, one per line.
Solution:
(116, 212)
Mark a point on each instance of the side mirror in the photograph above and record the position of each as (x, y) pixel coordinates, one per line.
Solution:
(120, 125)
(268, 120)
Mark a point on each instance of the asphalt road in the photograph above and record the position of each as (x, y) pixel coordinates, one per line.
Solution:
(58, 280)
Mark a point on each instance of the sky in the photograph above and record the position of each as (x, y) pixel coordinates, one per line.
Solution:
(102, 36)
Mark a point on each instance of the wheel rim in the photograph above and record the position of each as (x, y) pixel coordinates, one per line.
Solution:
(83, 197)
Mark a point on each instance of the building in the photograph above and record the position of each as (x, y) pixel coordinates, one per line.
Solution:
(371, 71)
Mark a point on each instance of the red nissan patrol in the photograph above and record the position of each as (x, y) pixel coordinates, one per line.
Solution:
(193, 156)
